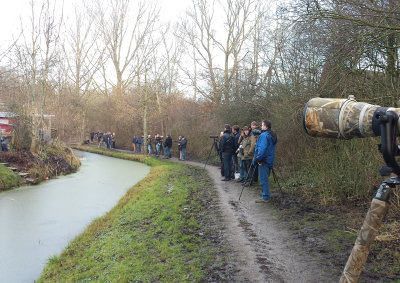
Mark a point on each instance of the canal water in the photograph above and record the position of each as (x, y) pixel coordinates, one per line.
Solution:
(38, 222)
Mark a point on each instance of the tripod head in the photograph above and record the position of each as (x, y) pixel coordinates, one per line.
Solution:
(215, 146)
(384, 123)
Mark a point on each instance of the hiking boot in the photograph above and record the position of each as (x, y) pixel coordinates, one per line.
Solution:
(262, 200)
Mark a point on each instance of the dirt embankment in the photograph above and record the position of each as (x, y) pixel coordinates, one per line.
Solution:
(36, 167)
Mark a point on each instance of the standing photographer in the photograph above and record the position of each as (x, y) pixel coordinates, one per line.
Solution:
(183, 143)
(167, 147)
(227, 148)
(264, 156)
(139, 141)
(134, 142)
(149, 141)
(246, 152)
(235, 163)
(158, 143)
(255, 131)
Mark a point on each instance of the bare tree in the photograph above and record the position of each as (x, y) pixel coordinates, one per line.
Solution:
(211, 47)
(125, 31)
(36, 58)
(84, 57)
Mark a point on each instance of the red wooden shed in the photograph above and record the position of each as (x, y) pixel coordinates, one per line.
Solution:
(7, 120)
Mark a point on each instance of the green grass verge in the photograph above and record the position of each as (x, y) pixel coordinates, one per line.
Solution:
(8, 179)
(159, 231)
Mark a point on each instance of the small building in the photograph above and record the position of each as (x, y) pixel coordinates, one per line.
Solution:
(7, 120)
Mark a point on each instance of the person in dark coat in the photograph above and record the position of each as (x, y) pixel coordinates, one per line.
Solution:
(134, 142)
(227, 148)
(113, 139)
(139, 141)
(182, 144)
(235, 163)
(167, 147)
(158, 144)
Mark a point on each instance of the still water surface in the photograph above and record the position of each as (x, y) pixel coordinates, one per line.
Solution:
(37, 222)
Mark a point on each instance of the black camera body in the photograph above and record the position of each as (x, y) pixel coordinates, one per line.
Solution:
(256, 132)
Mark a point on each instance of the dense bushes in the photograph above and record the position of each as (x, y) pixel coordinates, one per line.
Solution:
(327, 170)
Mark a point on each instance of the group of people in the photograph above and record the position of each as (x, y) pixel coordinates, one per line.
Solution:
(158, 146)
(105, 140)
(254, 148)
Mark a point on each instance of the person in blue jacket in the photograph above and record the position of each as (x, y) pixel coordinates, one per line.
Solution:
(264, 155)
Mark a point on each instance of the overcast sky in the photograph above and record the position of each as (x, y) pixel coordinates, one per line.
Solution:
(12, 11)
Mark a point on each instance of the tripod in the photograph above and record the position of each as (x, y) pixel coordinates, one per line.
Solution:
(214, 145)
(250, 176)
(385, 125)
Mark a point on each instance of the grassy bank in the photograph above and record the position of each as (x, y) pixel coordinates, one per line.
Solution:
(161, 230)
(8, 179)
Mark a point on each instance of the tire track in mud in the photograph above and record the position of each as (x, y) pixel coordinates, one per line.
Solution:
(264, 248)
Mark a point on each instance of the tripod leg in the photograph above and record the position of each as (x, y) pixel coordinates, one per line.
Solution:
(369, 229)
(241, 192)
(253, 168)
(247, 178)
(245, 181)
(276, 180)
(209, 154)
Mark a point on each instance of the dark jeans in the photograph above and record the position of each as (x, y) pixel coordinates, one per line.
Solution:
(167, 152)
(244, 168)
(235, 164)
(227, 159)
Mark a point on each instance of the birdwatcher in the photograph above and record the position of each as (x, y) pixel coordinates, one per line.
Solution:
(149, 148)
(167, 147)
(255, 131)
(264, 156)
(139, 141)
(246, 152)
(235, 163)
(183, 144)
(227, 147)
(134, 142)
(179, 147)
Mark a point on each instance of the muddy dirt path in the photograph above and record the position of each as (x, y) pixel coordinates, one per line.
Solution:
(265, 248)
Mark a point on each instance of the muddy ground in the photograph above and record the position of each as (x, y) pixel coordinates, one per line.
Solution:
(263, 247)
(292, 240)
(289, 239)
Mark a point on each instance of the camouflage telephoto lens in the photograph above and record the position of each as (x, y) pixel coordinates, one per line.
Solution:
(340, 118)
